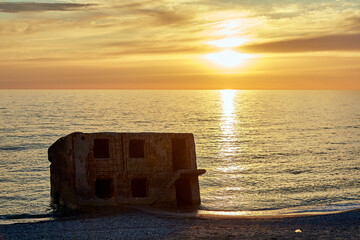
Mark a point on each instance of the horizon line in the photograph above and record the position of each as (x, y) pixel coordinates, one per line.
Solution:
(205, 89)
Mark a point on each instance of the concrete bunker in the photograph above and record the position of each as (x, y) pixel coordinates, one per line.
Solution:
(113, 169)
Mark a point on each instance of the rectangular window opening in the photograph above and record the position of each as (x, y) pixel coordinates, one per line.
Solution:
(101, 148)
(104, 188)
(136, 148)
(138, 187)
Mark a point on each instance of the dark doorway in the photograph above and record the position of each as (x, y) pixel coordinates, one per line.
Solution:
(180, 160)
(179, 154)
(104, 188)
(138, 187)
(101, 148)
(56, 199)
(183, 192)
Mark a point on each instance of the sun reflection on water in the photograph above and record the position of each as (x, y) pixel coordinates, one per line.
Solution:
(227, 122)
(228, 118)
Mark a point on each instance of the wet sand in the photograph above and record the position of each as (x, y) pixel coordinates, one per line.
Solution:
(136, 224)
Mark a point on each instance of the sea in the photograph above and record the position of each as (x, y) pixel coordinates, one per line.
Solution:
(265, 152)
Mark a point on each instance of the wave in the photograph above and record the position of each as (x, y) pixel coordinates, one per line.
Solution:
(25, 216)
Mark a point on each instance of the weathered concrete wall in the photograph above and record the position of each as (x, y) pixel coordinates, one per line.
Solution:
(155, 167)
(88, 168)
(123, 168)
(62, 170)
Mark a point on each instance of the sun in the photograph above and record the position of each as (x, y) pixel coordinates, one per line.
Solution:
(227, 58)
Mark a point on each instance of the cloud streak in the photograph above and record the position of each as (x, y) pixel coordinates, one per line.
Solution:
(16, 7)
(352, 23)
(346, 42)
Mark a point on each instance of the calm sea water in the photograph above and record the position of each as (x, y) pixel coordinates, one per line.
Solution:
(284, 151)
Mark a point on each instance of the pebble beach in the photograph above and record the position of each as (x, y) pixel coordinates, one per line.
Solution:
(136, 224)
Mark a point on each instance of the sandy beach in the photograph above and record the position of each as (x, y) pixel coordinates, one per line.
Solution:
(136, 224)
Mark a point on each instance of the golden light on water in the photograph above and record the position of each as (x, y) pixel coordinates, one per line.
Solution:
(228, 103)
(227, 121)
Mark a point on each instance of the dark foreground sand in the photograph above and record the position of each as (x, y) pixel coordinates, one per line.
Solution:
(135, 224)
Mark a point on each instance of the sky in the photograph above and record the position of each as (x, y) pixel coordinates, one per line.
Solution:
(180, 44)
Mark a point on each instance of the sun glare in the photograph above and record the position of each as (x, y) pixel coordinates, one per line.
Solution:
(227, 58)
(228, 28)
(228, 42)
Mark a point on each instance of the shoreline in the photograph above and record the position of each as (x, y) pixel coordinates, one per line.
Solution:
(139, 224)
(176, 213)
(272, 214)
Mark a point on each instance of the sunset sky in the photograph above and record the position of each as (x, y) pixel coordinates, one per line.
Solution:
(163, 44)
